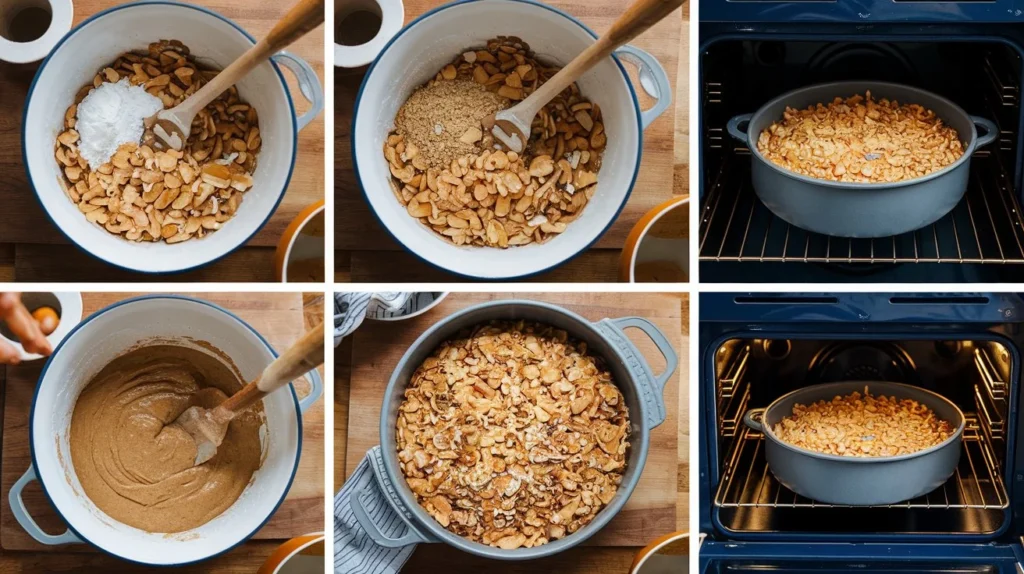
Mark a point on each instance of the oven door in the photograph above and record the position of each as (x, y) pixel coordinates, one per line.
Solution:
(718, 557)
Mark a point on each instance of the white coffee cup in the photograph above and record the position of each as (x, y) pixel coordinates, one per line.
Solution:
(25, 35)
(359, 44)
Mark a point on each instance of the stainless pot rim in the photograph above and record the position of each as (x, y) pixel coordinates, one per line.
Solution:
(955, 437)
(852, 186)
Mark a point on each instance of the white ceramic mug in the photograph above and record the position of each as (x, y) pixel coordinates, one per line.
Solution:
(96, 43)
(434, 39)
(92, 345)
(19, 49)
(391, 14)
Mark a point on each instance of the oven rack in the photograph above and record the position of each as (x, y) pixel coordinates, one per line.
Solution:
(748, 483)
(731, 405)
(985, 227)
(990, 373)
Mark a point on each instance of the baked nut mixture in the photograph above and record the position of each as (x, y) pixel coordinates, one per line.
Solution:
(513, 435)
(447, 173)
(861, 139)
(863, 426)
(144, 194)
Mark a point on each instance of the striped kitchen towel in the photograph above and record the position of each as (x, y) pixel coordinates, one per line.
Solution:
(354, 551)
(351, 308)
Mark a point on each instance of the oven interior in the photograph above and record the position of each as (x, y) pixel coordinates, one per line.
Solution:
(751, 373)
(739, 76)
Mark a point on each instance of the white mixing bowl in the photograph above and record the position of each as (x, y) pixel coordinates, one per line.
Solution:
(92, 345)
(414, 55)
(96, 43)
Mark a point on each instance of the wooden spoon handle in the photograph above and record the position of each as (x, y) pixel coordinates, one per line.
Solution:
(299, 21)
(304, 356)
(640, 16)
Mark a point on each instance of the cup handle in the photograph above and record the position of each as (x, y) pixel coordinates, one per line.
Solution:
(315, 392)
(652, 386)
(990, 128)
(653, 80)
(387, 491)
(753, 419)
(309, 85)
(25, 519)
(737, 126)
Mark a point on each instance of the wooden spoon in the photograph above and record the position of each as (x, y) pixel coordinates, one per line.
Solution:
(208, 426)
(511, 127)
(171, 128)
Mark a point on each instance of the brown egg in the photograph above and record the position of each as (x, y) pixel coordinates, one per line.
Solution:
(47, 319)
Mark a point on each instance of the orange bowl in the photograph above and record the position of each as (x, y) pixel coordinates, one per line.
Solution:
(284, 560)
(286, 247)
(672, 550)
(643, 248)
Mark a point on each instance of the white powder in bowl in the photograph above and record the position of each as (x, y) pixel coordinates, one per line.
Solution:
(111, 115)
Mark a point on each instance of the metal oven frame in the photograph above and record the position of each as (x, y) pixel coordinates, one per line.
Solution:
(864, 316)
(983, 237)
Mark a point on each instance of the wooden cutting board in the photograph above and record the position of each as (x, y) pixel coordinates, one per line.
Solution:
(651, 510)
(357, 231)
(278, 317)
(42, 253)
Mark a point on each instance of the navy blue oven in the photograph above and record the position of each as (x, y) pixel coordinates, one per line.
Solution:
(757, 347)
(754, 50)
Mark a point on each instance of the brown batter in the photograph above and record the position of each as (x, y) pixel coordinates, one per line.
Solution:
(140, 471)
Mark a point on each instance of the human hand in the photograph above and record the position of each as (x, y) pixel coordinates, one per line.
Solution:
(21, 323)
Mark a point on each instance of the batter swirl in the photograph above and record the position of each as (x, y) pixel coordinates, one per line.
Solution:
(140, 471)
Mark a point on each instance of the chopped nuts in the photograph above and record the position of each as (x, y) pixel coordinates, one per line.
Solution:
(512, 435)
(863, 426)
(505, 192)
(144, 194)
(858, 139)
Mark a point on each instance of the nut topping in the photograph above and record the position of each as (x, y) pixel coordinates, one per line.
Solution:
(512, 435)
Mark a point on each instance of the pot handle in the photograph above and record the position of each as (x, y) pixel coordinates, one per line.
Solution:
(387, 490)
(737, 126)
(990, 128)
(651, 386)
(753, 419)
(25, 519)
(315, 392)
(309, 85)
(653, 80)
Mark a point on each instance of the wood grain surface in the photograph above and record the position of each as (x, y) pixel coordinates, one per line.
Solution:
(360, 379)
(281, 318)
(366, 252)
(32, 249)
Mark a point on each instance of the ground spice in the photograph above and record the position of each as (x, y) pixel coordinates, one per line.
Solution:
(437, 116)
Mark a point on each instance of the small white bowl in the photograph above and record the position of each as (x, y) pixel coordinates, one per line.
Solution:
(69, 308)
(416, 302)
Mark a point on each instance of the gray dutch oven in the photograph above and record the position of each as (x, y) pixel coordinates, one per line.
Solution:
(859, 481)
(641, 388)
(860, 209)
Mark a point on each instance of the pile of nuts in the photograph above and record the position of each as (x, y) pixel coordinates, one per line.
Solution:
(149, 195)
(862, 140)
(513, 436)
(863, 426)
(496, 198)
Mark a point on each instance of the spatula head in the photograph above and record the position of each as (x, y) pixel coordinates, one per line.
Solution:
(165, 131)
(205, 428)
(508, 130)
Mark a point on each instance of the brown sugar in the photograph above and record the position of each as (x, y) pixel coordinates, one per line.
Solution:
(442, 119)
